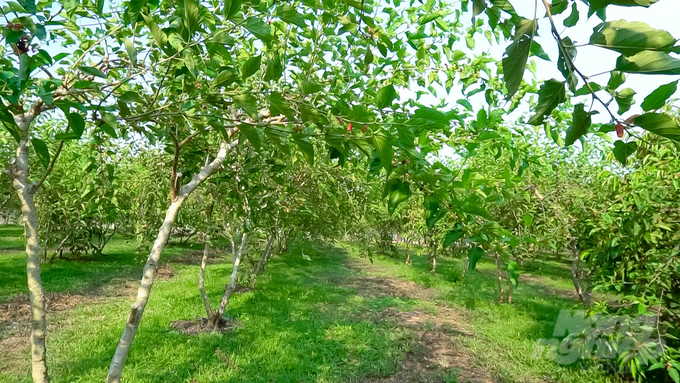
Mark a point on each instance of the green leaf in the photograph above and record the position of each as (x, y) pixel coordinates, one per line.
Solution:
(657, 99)
(573, 17)
(305, 146)
(24, 70)
(580, 124)
(8, 122)
(550, 95)
(274, 69)
(248, 103)
(513, 273)
(368, 59)
(278, 105)
(585, 90)
(385, 96)
(133, 9)
(558, 6)
(289, 14)
(251, 134)
(225, 78)
(624, 99)
(132, 53)
(28, 5)
(158, 34)
(383, 146)
(474, 255)
(630, 38)
(93, 71)
(251, 66)
(661, 124)
(623, 150)
(597, 4)
(259, 28)
(231, 7)
(649, 62)
(192, 17)
(616, 78)
(564, 62)
(453, 235)
(528, 220)
(41, 151)
(478, 7)
(673, 373)
(76, 127)
(398, 193)
(537, 50)
(517, 55)
(470, 41)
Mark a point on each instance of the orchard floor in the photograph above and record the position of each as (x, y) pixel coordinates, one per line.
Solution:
(336, 318)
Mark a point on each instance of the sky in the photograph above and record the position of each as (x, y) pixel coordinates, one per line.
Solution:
(590, 60)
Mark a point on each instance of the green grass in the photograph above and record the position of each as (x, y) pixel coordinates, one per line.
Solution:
(119, 262)
(11, 237)
(302, 323)
(506, 334)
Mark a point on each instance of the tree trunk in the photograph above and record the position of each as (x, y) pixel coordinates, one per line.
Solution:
(137, 309)
(500, 277)
(466, 264)
(231, 286)
(37, 298)
(263, 260)
(233, 245)
(582, 290)
(201, 277)
(25, 190)
(433, 259)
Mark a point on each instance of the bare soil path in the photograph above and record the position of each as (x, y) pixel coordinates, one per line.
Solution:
(436, 352)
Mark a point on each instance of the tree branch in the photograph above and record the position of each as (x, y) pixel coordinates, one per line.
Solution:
(49, 168)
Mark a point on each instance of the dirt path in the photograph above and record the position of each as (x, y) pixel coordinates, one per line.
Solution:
(436, 352)
(15, 315)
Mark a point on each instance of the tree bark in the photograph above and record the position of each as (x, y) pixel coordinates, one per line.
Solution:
(231, 286)
(433, 258)
(500, 277)
(137, 309)
(263, 260)
(201, 278)
(577, 276)
(25, 190)
(466, 264)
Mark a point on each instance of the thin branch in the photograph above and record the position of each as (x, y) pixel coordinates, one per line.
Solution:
(570, 63)
(49, 168)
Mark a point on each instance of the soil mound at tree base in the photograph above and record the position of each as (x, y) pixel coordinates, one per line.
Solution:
(200, 326)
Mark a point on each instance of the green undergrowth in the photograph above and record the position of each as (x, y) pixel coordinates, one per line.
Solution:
(305, 322)
(300, 324)
(507, 335)
(119, 261)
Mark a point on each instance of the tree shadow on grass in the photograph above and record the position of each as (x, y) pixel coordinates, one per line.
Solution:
(86, 276)
(292, 328)
(478, 292)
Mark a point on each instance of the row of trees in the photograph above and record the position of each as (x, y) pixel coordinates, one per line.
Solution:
(227, 100)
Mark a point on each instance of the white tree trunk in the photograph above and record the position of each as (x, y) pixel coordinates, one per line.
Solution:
(263, 260)
(231, 286)
(137, 309)
(577, 275)
(201, 277)
(18, 172)
(499, 267)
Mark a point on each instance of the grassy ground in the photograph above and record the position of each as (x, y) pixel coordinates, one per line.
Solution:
(308, 321)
